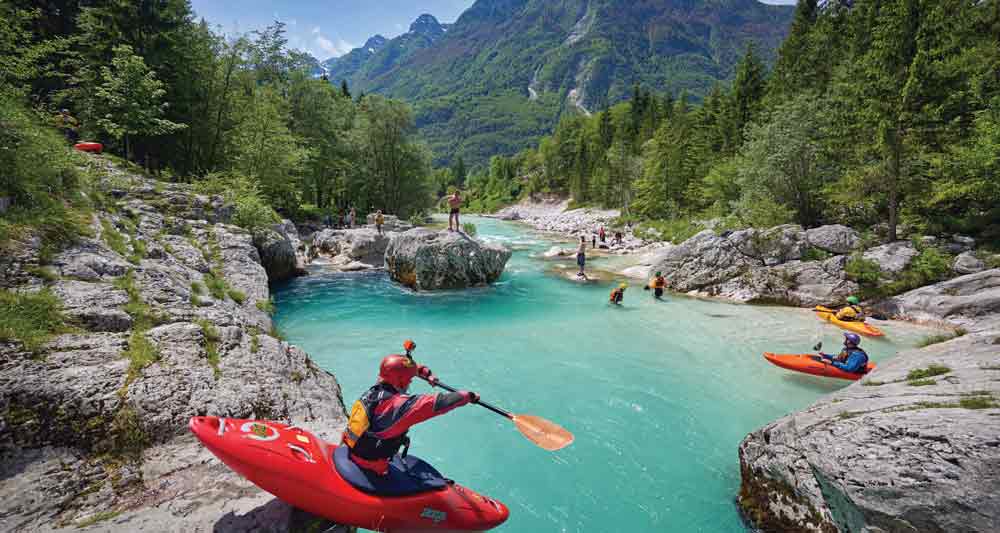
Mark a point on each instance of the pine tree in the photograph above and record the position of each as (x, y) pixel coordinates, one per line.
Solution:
(746, 97)
(606, 130)
(344, 91)
(795, 69)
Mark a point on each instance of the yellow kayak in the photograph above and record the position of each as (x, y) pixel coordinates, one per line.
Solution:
(857, 327)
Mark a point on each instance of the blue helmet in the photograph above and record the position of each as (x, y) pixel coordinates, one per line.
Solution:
(852, 339)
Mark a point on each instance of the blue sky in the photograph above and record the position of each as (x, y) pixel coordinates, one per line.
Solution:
(328, 28)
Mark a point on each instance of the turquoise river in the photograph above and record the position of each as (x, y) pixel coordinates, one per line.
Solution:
(658, 394)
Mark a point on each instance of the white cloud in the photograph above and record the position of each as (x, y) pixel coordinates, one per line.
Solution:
(331, 47)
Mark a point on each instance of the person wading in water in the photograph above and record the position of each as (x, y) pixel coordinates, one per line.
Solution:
(581, 257)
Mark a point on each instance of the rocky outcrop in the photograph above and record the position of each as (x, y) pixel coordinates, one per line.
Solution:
(281, 252)
(835, 239)
(169, 323)
(426, 260)
(906, 448)
(894, 257)
(352, 249)
(757, 266)
(968, 263)
(971, 301)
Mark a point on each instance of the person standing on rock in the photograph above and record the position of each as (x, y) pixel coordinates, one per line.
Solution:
(352, 218)
(379, 221)
(602, 235)
(455, 203)
(581, 256)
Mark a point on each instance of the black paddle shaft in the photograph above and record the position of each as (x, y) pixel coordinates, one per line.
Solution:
(496, 410)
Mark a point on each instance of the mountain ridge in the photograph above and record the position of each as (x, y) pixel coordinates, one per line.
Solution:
(526, 62)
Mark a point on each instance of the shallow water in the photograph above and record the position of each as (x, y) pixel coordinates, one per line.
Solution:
(658, 394)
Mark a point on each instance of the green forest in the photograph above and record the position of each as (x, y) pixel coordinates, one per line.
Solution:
(163, 91)
(877, 114)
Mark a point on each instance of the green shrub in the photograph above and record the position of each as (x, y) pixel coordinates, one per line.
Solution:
(138, 250)
(142, 315)
(38, 173)
(929, 372)
(251, 211)
(978, 402)
(931, 266)
(197, 288)
(140, 353)
(31, 318)
(238, 296)
(470, 229)
(113, 238)
(675, 231)
(266, 306)
(217, 286)
(938, 339)
(212, 338)
(815, 254)
(863, 271)
(921, 382)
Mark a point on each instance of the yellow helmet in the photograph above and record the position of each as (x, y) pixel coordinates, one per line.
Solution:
(624, 286)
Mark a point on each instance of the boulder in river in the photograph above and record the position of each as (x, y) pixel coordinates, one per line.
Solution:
(363, 246)
(427, 260)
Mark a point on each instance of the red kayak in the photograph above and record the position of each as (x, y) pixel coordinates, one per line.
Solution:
(318, 477)
(89, 147)
(806, 364)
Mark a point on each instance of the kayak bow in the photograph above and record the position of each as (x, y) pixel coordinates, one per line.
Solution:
(306, 472)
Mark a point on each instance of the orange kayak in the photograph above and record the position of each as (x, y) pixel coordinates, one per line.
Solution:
(857, 327)
(807, 365)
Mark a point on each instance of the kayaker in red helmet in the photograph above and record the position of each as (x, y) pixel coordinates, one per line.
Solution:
(382, 416)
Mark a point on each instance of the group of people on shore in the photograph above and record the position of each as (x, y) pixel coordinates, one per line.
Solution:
(348, 219)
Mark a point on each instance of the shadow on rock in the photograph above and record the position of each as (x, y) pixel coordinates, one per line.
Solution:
(277, 516)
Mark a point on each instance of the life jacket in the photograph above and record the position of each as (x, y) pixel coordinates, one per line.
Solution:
(617, 295)
(360, 435)
(846, 353)
(659, 283)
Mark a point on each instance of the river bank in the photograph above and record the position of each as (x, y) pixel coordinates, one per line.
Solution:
(166, 317)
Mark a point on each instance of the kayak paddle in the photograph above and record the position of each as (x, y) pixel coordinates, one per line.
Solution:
(545, 434)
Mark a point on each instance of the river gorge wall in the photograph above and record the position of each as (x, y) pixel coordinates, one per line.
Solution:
(167, 306)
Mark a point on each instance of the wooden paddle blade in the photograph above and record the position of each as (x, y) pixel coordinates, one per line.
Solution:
(547, 435)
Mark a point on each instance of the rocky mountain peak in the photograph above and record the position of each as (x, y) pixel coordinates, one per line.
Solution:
(427, 25)
(374, 43)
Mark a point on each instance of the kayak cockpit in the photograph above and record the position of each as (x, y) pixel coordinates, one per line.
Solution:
(407, 476)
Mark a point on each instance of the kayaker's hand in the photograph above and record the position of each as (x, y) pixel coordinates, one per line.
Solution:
(424, 372)
(473, 397)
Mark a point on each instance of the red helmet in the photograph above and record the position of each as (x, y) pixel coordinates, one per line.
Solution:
(398, 371)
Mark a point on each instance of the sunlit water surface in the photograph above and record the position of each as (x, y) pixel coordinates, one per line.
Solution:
(658, 394)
